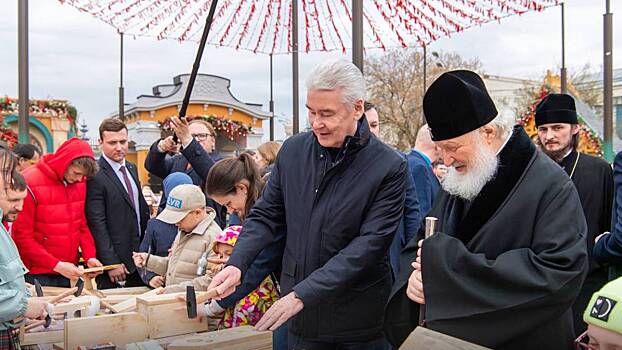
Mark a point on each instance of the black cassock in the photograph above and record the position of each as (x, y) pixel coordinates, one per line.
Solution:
(503, 270)
(593, 180)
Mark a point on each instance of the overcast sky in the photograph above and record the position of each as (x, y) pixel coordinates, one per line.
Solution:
(76, 57)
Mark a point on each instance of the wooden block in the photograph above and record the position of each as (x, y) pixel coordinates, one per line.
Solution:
(240, 338)
(125, 291)
(130, 303)
(167, 316)
(44, 337)
(147, 345)
(70, 307)
(58, 346)
(426, 339)
(120, 329)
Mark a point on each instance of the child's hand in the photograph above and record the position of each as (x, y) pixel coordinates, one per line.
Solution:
(139, 259)
(156, 281)
(218, 259)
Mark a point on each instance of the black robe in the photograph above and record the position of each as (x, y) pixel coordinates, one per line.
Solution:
(503, 272)
(593, 179)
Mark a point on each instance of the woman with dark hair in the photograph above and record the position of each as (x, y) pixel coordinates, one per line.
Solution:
(235, 183)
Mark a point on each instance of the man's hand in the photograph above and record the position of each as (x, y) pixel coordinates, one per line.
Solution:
(226, 281)
(415, 283)
(139, 259)
(118, 274)
(167, 145)
(36, 309)
(180, 127)
(156, 281)
(284, 309)
(68, 270)
(92, 262)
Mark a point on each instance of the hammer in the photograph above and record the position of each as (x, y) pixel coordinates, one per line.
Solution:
(192, 300)
(76, 291)
(430, 228)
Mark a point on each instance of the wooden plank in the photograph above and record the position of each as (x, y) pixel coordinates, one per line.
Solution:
(167, 316)
(101, 268)
(156, 299)
(44, 337)
(130, 303)
(426, 339)
(120, 329)
(240, 338)
(52, 291)
(125, 291)
(115, 299)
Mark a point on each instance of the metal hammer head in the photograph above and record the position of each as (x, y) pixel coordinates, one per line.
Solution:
(38, 288)
(191, 302)
(80, 286)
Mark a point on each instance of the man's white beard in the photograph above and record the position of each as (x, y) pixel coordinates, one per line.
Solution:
(482, 168)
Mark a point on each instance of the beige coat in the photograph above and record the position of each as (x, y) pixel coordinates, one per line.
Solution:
(180, 268)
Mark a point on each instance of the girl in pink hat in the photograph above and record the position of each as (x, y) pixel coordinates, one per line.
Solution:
(249, 310)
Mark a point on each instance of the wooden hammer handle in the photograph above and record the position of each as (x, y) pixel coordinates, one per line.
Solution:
(203, 297)
(63, 295)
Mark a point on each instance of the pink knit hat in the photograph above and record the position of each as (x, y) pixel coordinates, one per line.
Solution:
(229, 235)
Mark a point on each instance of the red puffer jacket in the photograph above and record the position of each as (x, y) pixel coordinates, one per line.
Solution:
(52, 224)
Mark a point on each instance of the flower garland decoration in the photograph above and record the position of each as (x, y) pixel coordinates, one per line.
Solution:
(589, 141)
(6, 134)
(56, 108)
(231, 129)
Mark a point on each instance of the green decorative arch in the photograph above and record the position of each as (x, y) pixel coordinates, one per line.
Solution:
(37, 124)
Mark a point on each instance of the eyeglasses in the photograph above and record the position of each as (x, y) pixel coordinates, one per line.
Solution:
(202, 136)
(582, 343)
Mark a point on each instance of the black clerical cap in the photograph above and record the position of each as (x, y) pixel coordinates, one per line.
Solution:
(457, 103)
(556, 108)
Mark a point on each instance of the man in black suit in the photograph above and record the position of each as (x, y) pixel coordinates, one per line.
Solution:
(116, 210)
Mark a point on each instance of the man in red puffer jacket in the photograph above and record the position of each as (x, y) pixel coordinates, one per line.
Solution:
(52, 225)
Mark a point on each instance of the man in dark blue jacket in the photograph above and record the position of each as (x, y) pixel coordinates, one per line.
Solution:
(198, 142)
(412, 214)
(339, 192)
(420, 162)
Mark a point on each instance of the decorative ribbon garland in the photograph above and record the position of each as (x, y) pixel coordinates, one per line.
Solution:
(265, 25)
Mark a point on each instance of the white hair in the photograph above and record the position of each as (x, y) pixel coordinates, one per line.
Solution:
(503, 122)
(338, 75)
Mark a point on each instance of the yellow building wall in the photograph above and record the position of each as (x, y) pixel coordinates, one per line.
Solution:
(143, 174)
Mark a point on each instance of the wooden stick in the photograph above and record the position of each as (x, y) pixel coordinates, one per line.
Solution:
(101, 268)
(63, 295)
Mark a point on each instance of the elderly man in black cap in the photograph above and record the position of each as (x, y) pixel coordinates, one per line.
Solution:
(508, 255)
(558, 133)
